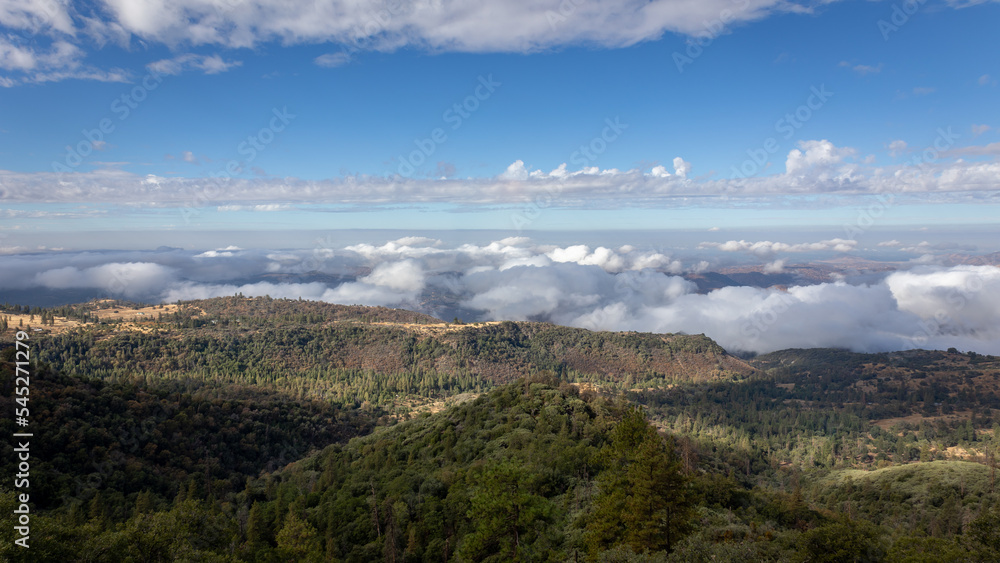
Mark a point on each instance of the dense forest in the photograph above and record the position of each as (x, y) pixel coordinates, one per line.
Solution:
(239, 429)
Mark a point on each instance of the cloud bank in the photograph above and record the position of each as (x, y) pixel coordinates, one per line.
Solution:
(815, 168)
(598, 288)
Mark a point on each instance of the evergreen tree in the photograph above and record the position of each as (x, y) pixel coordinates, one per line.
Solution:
(298, 540)
(643, 501)
(508, 516)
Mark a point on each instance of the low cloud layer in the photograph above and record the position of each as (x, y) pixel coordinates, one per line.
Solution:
(816, 167)
(598, 288)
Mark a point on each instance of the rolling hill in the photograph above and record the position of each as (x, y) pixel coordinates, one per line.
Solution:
(239, 429)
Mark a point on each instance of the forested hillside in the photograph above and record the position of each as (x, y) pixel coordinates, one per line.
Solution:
(274, 430)
(360, 356)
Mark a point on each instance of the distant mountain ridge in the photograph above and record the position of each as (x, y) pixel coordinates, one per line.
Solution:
(267, 338)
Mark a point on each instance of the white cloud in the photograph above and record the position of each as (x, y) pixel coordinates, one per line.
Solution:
(659, 172)
(132, 279)
(863, 69)
(897, 147)
(332, 60)
(514, 26)
(812, 154)
(390, 283)
(266, 207)
(402, 276)
(978, 130)
(61, 60)
(766, 248)
(681, 167)
(37, 16)
(625, 288)
(516, 171)
(815, 167)
(776, 267)
(432, 25)
(15, 57)
(208, 64)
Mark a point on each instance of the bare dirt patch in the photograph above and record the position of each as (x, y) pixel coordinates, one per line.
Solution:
(139, 319)
(437, 328)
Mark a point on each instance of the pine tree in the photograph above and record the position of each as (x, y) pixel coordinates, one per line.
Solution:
(643, 501)
(298, 540)
(507, 514)
(258, 533)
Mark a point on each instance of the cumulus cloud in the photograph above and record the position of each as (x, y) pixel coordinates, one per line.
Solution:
(776, 267)
(516, 171)
(604, 288)
(766, 248)
(815, 167)
(933, 309)
(812, 154)
(226, 252)
(681, 167)
(390, 283)
(404, 276)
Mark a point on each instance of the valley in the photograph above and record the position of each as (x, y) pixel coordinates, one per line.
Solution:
(259, 429)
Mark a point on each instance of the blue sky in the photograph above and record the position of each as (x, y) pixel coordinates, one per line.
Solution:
(299, 118)
(576, 161)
